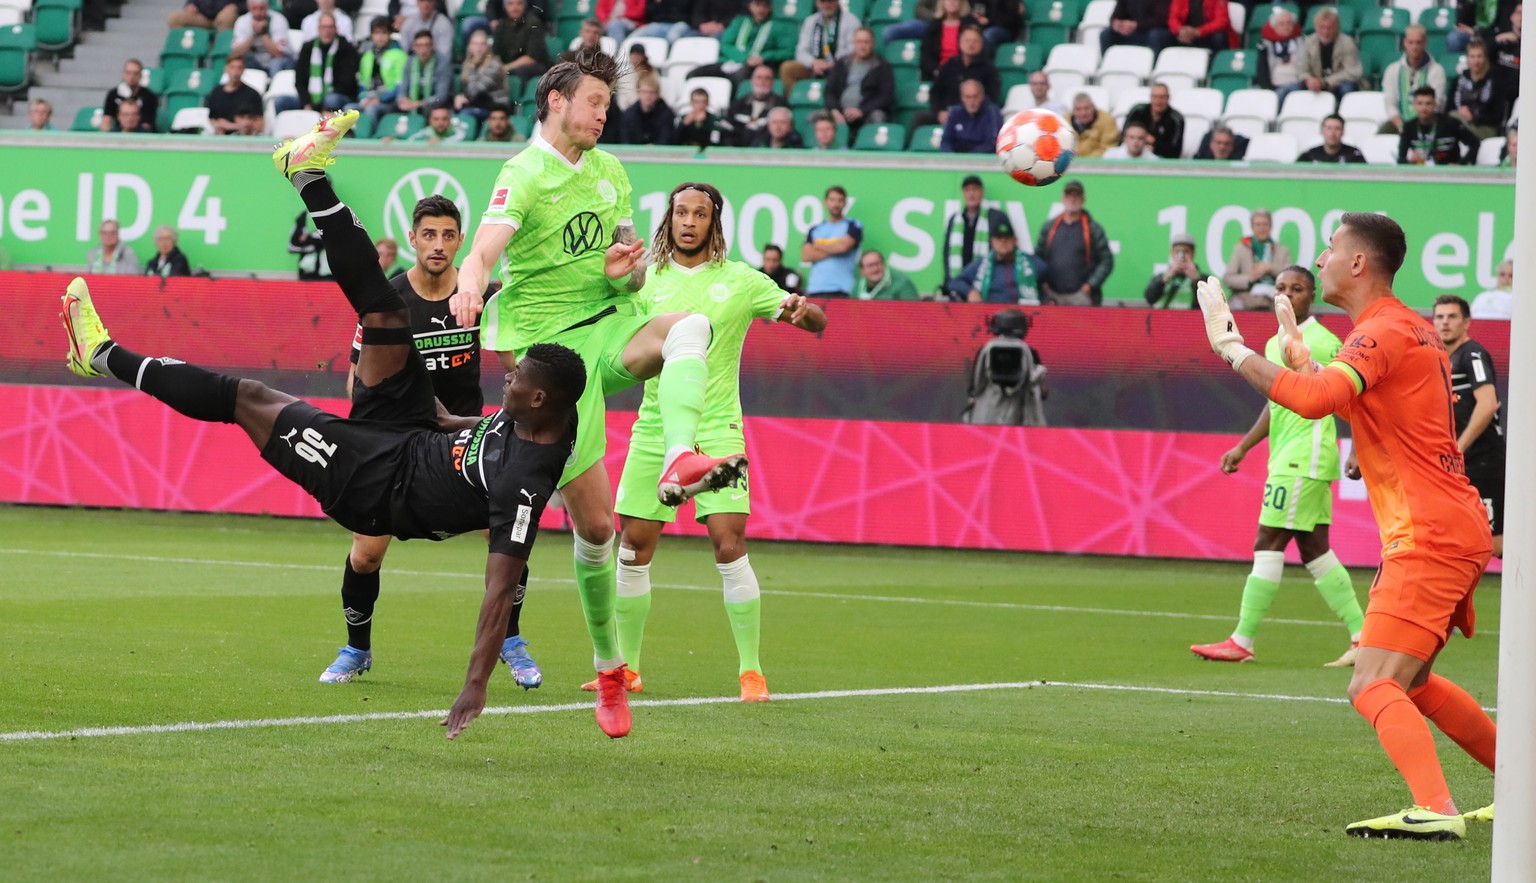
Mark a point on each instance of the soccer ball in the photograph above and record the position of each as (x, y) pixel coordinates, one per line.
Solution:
(1036, 146)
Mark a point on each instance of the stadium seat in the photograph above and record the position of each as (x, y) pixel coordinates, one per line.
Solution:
(254, 77)
(17, 43)
(1120, 103)
(468, 125)
(926, 139)
(11, 16)
(1438, 21)
(1016, 99)
(399, 125)
(1096, 17)
(1124, 66)
(282, 83)
(1201, 102)
(1260, 17)
(1413, 7)
(1194, 131)
(1381, 35)
(87, 119)
(1232, 70)
(656, 49)
(1488, 151)
(885, 12)
(1272, 147)
(793, 10)
(1302, 113)
(1380, 149)
(1052, 21)
(719, 89)
(218, 51)
(1251, 110)
(1181, 67)
(1098, 94)
(1071, 65)
(194, 121)
(1346, 18)
(1363, 113)
(1026, 57)
(293, 123)
(808, 93)
(185, 47)
(58, 25)
(189, 80)
(171, 105)
(1237, 14)
(577, 9)
(903, 53)
(881, 136)
(691, 52)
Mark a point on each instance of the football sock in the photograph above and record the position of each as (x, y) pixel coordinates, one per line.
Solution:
(188, 389)
(1459, 716)
(514, 626)
(359, 592)
(1258, 593)
(1406, 737)
(680, 388)
(743, 605)
(1333, 583)
(595, 584)
(631, 607)
(353, 258)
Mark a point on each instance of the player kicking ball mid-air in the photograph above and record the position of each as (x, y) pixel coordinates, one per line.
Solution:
(560, 215)
(691, 274)
(452, 356)
(1298, 496)
(1392, 382)
(385, 470)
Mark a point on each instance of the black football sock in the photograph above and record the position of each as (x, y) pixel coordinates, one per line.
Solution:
(513, 628)
(190, 390)
(359, 592)
(354, 260)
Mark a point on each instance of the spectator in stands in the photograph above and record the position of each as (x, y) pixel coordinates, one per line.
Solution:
(498, 126)
(1476, 16)
(233, 104)
(1434, 138)
(1040, 96)
(427, 17)
(913, 29)
(697, 127)
(667, 19)
(441, 128)
(748, 115)
(1179, 278)
(824, 132)
(380, 67)
(1163, 125)
(132, 87)
(40, 116)
(482, 80)
(111, 257)
(1499, 301)
(1096, 129)
(941, 41)
(751, 40)
(1200, 23)
(519, 43)
(965, 231)
(773, 267)
(1403, 77)
(389, 256)
(1280, 49)
(219, 15)
(1333, 149)
(307, 242)
(1135, 143)
(1503, 41)
(168, 260)
(1256, 261)
(1005, 275)
(619, 17)
(589, 39)
(1132, 22)
(1076, 253)
(264, 38)
(710, 18)
(1002, 21)
(130, 118)
(1509, 156)
(831, 249)
(780, 132)
(649, 120)
(861, 88)
(639, 66)
(1480, 97)
(427, 81)
(1222, 143)
(1330, 60)
(309, 28)
(326, 75)
(825, 36)
(879, 282)
(970, 63)
(972, 125)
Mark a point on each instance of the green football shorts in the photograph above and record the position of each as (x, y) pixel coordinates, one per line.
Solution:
(1295, 503)
(601, 345)
(642, 469)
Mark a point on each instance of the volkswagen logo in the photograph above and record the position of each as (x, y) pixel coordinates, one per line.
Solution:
(407, 191)
(583, 233)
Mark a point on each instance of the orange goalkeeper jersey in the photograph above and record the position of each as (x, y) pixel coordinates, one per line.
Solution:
(1392, 382)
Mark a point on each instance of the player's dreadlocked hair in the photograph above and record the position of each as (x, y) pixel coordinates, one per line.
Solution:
(662, 245)
(565, 76)
(557, 370)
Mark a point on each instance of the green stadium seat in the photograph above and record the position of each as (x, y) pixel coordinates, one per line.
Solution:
(793, 10)
(87, 119)
(1346, 18)
(926, 139)
(399, 125)
(1024, 57)
(881, 136)
(1012, 78)
(57, 23)
(1439, 21)
(170, 104)
(468, 124)
(364, 126)
(884, 12)
(1052, 21)
(808, 93)
(1381, 33)
(555, 45)
(219, 50)
(153, 79)
(903, 53)
(577, 9)
(566, 30)
(195, 81)
(522, 126)
(1234, 69)
(17, 43)
(185, 47)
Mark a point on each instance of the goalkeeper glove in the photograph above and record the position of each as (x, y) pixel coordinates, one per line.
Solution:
(1220, 327)
(1297, 355)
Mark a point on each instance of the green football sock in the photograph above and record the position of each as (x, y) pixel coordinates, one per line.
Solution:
(1259, 592)
(595, 585)
(743, 605)
(680, 397)
(631, 607)
(1334, 584)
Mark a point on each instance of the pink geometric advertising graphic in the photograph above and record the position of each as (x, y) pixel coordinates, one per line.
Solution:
(1102, 492)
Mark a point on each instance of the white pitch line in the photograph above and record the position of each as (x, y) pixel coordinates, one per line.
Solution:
(787, 593)
(262, 723)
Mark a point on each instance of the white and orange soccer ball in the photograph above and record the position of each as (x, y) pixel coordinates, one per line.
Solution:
(1036, 147)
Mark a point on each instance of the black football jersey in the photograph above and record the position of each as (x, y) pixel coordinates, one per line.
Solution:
(452, 353)
(1472, 367)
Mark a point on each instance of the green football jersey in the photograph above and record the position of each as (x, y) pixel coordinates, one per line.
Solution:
(1298, 446)
(731, 294)
(564, 217)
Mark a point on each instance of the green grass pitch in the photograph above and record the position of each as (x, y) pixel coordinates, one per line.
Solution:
(1101, 749)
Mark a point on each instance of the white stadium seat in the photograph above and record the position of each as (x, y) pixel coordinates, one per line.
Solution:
(1121, 102)
(1272, 147)
(1124, 66)
(1259, 105)
(293, 123)
(197, 118)
(1096, 17)
(1070, 65)
(656, 49)
(1199, 101)
(719, 89)
(1380, 149)
(1488, 151)
(1181, 66)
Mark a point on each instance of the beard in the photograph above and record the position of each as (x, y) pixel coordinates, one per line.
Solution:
(689, 252)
